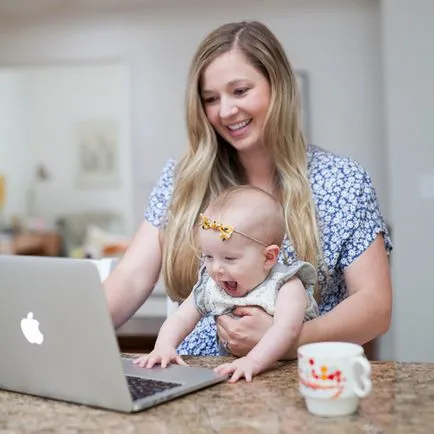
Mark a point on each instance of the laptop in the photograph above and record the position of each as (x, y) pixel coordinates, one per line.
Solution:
(57, 341)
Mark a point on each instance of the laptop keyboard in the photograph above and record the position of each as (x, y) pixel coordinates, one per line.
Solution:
(144, 387)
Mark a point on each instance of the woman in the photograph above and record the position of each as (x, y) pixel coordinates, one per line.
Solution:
(243, 120)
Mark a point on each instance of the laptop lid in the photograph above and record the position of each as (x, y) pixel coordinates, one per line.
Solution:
(58, 341)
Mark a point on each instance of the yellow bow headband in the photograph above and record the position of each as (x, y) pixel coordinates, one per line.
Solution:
(226, 231)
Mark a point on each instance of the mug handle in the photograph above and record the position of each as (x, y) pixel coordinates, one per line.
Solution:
(361, 392)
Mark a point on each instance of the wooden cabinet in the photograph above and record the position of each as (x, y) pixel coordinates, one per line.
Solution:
(36, 243)
(138, 335)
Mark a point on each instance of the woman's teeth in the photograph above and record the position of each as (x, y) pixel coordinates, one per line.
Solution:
(239, 125)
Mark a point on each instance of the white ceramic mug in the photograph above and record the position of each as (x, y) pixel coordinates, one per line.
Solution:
(333, 376)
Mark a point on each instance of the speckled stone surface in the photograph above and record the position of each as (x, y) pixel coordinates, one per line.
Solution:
(402, 401)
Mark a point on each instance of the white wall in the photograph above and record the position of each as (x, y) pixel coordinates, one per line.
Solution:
(408, 37)
(43, 108)
(335, 41)
(61, 98)
(15, 151)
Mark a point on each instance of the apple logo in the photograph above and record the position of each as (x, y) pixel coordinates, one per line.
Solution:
(30, 329)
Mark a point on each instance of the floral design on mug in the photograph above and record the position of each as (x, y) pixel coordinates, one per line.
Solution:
(322, 377)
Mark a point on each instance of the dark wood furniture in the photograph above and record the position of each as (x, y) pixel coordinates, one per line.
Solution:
(139, 335)
(36, 243)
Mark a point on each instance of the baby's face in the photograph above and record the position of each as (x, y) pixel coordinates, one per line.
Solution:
(237, 265)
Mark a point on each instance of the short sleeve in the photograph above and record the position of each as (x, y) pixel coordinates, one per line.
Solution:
(366, 222)
(199, 290)
(160, 196)
(303, 270)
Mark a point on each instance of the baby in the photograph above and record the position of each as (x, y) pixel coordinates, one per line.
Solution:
(240, 268)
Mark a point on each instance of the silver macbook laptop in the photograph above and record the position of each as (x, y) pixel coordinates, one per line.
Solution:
(57, 340)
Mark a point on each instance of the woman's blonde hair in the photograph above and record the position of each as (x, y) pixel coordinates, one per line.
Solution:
(211, 165)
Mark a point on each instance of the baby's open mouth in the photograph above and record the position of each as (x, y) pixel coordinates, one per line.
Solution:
(230, 286)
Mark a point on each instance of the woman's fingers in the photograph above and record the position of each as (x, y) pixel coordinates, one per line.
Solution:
(245, 311)
(224, 324)
(228, 329)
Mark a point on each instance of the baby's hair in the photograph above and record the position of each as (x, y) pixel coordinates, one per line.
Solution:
(257, 213)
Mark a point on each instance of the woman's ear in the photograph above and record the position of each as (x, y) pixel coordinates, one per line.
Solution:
(271, 253)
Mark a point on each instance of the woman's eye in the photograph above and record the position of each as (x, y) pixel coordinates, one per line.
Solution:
(209, 100)
(207, 257)
(240, 92)
(229, 258)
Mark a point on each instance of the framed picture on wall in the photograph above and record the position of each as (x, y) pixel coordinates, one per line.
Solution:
(97, 154)
(303, 85)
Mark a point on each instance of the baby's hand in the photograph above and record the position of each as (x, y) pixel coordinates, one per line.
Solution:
(243, 367)
(161, 355)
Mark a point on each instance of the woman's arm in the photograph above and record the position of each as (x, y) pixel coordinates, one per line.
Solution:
(364, 315)
(367, 311)
(134, 278)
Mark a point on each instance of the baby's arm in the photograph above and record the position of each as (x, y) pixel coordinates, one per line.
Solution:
(289, 313)
(176, 327)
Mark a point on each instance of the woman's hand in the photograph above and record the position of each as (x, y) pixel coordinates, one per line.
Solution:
(245, 330)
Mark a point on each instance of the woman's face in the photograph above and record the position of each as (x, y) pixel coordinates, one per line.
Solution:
(236, 97)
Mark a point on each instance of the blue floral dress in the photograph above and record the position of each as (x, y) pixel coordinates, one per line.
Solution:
(349, 221)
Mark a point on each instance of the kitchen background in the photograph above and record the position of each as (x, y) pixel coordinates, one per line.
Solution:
(92, 105)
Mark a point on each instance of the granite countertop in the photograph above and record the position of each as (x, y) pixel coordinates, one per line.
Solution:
(402, 401)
